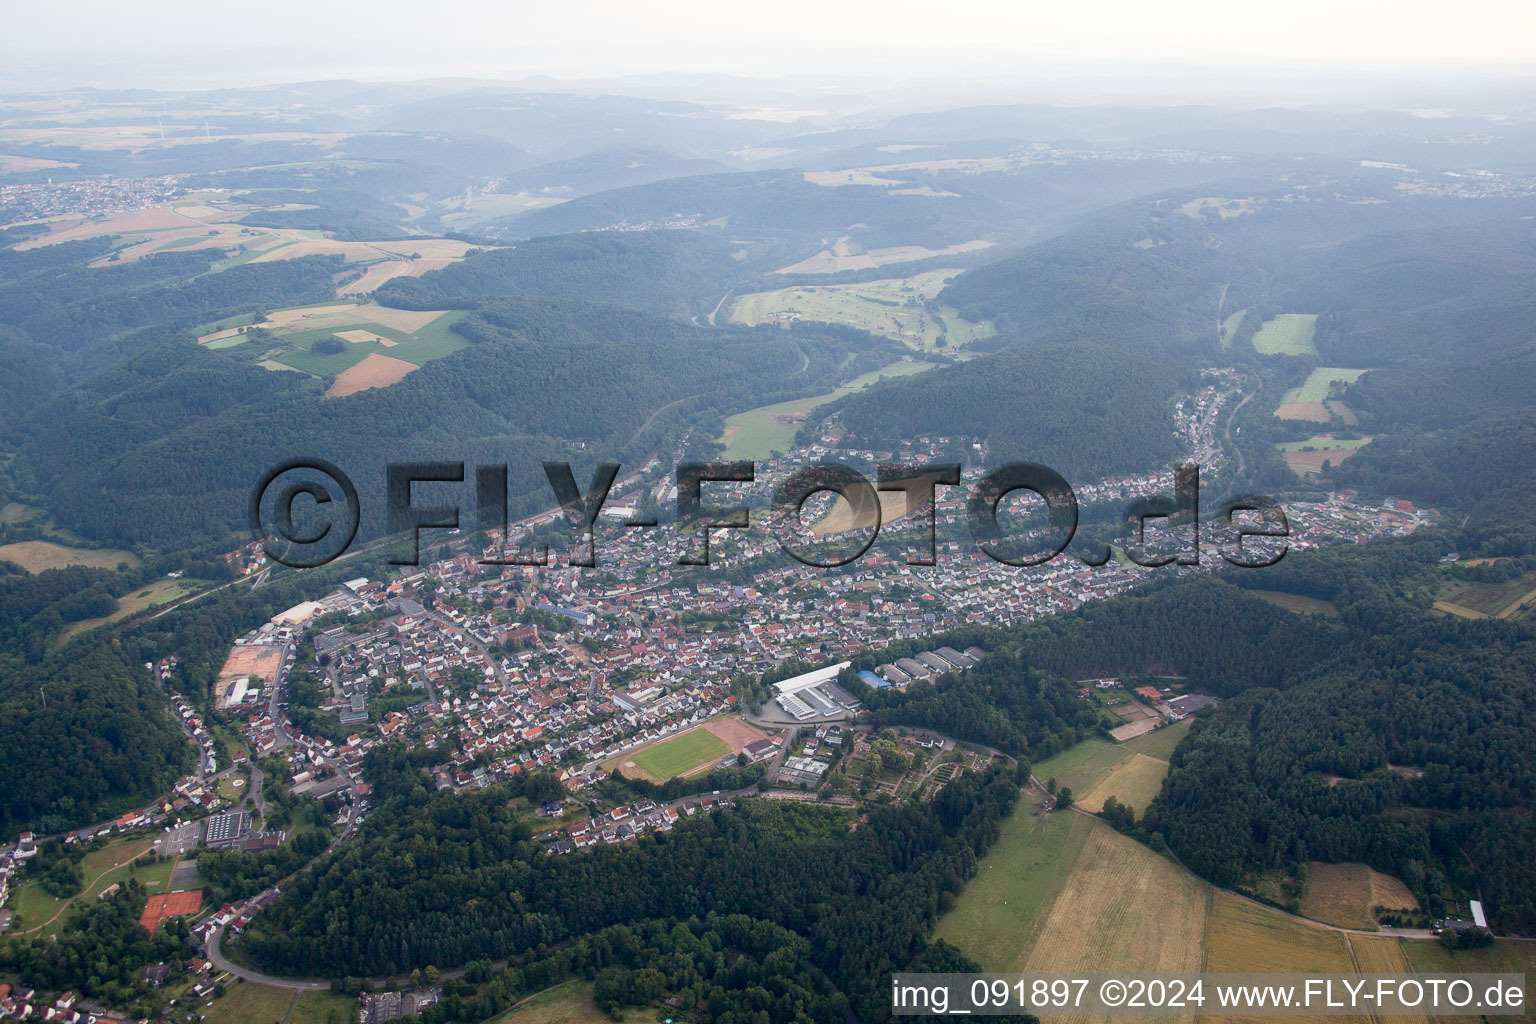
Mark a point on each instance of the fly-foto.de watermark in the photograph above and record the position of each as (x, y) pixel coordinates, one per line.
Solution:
(332, 511)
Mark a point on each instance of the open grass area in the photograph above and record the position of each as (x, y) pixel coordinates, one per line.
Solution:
(681, 754)
(1124, 908)
(758, 433)
(1289, 334)
(1135, 780)
(845, 254)
(1298, 603)
(36, 909)
(1080, 768)
(893, 308)
(322, 1007)
(1001, 913)
(1493, 600)
(1319, 384)
(1344, 895)
(1324, 442)
(246, 1001)
(433, 341)
(158, 593)
(1230, 325)
(570, 1003)
(37, 555)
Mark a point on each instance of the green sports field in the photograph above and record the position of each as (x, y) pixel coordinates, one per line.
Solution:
(681, 754)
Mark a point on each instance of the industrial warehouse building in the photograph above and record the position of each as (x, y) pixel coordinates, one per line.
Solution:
(814, 694)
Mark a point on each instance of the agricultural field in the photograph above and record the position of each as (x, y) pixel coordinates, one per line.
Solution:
(1135, 780)
(1080, 768)
(37, 555)
(1382, 956)
(1289, 334)
(380, 345)
(1123, 907)
(1503, 957)
(1298, 603)
(1244, 937)
(843, 255)
(1307, 457)
(570, 1003)
(1229, 327)
(461, 213)
(1316, 399)
(1344, 895)
(892, 308)
(1001, 913)
(1319, 384)
(1062, 892)
(1470, 600)
(758, 433)
(207, 220)
(158, 593)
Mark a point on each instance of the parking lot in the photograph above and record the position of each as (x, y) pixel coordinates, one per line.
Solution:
(179, 841)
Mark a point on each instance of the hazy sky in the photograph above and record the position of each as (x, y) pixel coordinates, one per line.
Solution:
(177, 42)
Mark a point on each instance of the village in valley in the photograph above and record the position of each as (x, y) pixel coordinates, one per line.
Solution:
(626, 697)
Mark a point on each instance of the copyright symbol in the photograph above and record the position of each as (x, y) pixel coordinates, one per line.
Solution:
(323, 537)
(1112, 992)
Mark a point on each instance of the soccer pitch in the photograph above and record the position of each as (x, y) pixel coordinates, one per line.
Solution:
(681, 754)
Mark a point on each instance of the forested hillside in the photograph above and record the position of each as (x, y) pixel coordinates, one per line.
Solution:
(1086, 409)
(662, 272)
(180, 434)
(450, 878)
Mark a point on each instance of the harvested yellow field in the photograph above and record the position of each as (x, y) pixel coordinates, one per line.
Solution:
(1135, 780)
(363, 337)
(408, 320)
(384, 270)
(1344, 895)
(1378, 955)
(375, 371)
(854, 176)
(37, 555)
(842, 257)
(1244, 937)
(1383, 956)
(309, 316)
(1124, 908)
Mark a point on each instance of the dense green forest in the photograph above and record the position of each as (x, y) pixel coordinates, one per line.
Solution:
(451, 878)
(1086, 410)
(662, 272)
